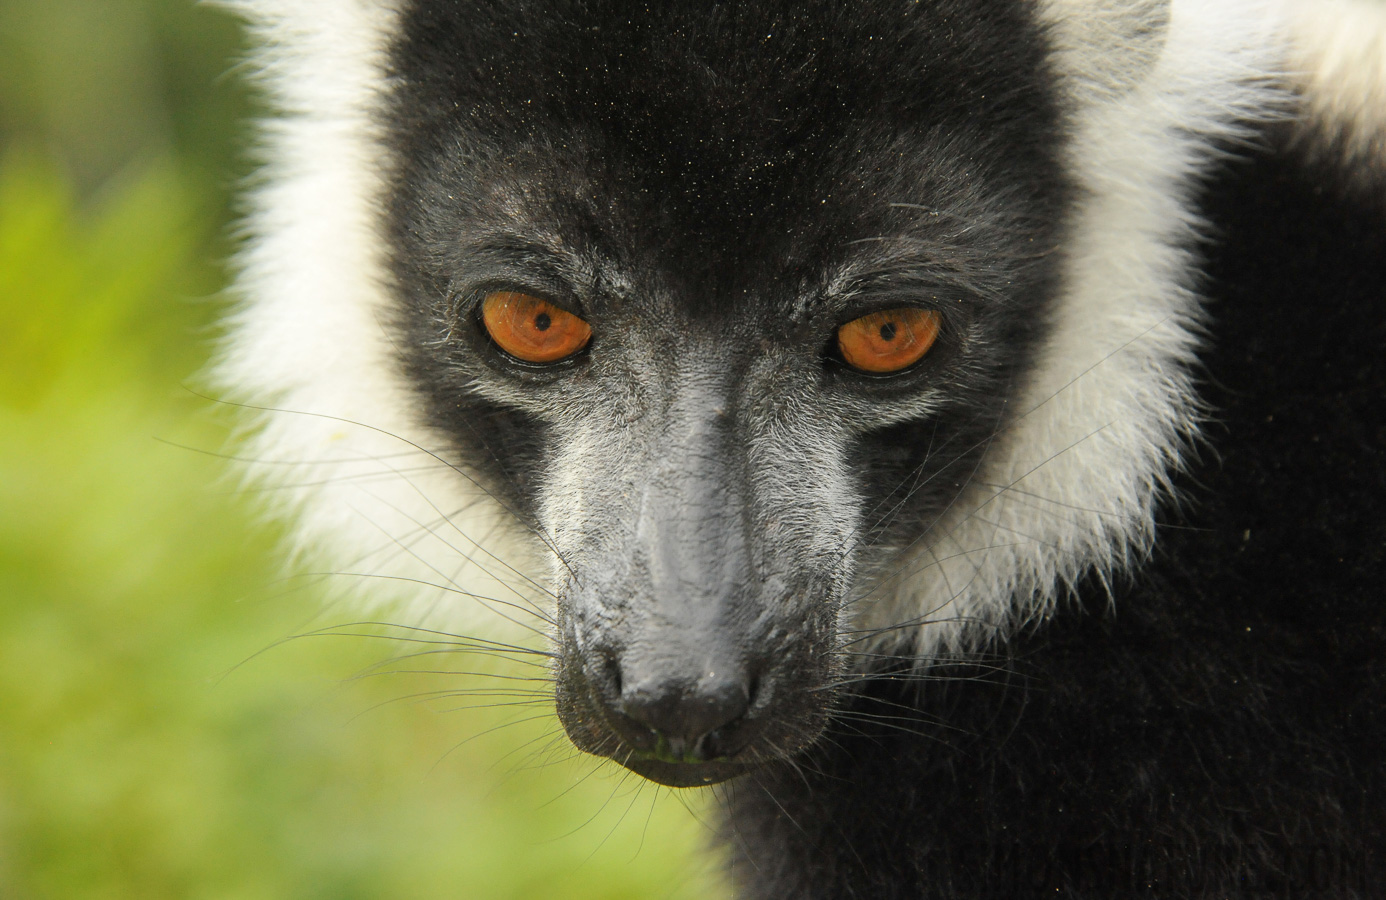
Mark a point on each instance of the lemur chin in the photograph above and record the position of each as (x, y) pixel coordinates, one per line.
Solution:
(827, 379)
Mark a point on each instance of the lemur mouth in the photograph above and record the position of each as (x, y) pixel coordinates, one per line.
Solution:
(677, 763)
(686, 774)
(601, 725)
(683, 735)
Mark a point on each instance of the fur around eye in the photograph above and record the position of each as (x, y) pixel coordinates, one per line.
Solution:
(531, 329)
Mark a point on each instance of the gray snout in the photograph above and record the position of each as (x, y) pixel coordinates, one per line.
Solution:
(697, 626)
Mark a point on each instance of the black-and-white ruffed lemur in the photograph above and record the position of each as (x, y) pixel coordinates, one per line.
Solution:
(959, 426)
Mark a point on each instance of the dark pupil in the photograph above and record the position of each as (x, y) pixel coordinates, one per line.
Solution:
(888, 331)
(542, 322)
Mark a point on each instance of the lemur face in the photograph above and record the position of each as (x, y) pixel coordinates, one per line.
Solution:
(727, 308)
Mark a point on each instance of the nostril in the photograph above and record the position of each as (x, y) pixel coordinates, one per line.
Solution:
(603, 675)
(684, 714)
(611, 669)
(753, 689)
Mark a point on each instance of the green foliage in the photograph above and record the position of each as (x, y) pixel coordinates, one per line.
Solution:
(156, 738)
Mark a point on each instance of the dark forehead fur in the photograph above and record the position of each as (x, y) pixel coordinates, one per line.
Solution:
(721, 164)
(732, 133)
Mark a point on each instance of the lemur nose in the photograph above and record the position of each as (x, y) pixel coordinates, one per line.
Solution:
(687, 716)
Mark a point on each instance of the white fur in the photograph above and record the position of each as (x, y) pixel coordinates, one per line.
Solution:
(1072, 483)
(1338, 64)
(371, 491)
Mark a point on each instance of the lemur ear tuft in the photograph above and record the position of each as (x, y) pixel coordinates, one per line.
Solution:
(1337, 67)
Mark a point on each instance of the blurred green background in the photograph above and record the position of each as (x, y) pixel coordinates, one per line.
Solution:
(137, 758)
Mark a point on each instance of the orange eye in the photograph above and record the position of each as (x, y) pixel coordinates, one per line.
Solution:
(531, 329)
(888, 341)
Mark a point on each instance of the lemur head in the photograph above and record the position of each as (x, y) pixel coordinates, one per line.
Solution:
(727, 304)
(791, 333)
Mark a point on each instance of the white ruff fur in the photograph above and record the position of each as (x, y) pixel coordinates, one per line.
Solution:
(373, 494)
(1071, 484)
(1338, 63)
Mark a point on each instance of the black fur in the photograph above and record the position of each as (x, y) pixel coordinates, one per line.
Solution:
(716, 190)
(690, 177)
(1218, 731)
(725, 156)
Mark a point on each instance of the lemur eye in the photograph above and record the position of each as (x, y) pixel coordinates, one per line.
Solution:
(532, 329)
(888, 341)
